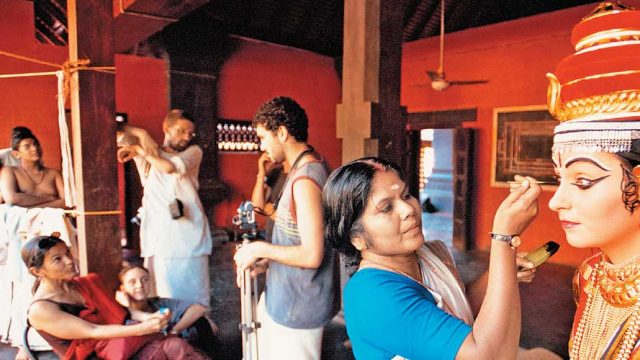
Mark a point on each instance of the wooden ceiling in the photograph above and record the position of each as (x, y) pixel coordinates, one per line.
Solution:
(314, 25)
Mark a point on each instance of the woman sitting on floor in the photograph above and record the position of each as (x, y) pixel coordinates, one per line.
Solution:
(80, 319)
(188, 320)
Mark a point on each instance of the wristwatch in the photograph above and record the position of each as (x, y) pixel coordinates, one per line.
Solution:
(513, 240)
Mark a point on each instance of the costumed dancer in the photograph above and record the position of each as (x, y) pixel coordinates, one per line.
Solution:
(596, 154)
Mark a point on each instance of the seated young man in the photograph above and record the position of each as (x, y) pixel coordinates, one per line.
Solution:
(188, 320)
(30, 184)
(33, 195)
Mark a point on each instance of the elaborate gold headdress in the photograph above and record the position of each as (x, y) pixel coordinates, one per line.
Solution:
(595, 93)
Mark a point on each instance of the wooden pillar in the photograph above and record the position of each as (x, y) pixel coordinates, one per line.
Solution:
(93, 132)
(370, 120)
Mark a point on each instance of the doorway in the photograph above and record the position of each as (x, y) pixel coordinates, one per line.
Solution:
(436, 184)
(440, 173)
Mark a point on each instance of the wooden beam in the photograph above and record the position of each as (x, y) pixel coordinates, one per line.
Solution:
(136, 20)
(390, 126)
(370, 120)
(447, 119)
(93, 131)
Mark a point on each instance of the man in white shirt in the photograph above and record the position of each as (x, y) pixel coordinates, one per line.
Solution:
(174, 232)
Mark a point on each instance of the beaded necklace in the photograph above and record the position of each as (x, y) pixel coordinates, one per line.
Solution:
(612, 300)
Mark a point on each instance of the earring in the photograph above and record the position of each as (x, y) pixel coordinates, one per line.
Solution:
(636, 171)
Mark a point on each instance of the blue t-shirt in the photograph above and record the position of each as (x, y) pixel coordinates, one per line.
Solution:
(388, 314)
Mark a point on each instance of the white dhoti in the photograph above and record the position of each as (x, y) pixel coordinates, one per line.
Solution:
(184, 278)
(278, 342)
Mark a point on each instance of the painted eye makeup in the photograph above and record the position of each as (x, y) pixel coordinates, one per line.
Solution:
(583, 183)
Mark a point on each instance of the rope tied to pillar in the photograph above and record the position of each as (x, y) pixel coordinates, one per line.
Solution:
(64, 75)
(76, 213)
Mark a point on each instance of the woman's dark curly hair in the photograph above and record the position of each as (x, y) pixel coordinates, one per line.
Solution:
(629, 185)
(283, 111)
(344, 199)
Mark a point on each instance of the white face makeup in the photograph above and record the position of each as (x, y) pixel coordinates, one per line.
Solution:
(589, 202)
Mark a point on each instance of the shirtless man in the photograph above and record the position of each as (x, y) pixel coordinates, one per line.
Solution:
(30, 184)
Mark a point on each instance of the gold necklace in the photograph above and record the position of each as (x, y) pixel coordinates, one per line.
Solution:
(611, 301)
(620, 284)
(421, 281)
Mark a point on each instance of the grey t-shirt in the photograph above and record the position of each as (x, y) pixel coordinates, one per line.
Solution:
(296, 297)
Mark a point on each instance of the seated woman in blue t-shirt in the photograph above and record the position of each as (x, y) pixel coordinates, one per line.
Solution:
(406, 300)
(188, 320)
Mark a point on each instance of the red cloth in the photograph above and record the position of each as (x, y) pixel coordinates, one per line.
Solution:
(101, 309)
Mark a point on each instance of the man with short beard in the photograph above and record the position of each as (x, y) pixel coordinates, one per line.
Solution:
(175, 239)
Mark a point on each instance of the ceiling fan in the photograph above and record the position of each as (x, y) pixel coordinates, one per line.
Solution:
(438, 80)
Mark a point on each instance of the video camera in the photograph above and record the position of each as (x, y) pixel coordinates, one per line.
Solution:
(245, 219)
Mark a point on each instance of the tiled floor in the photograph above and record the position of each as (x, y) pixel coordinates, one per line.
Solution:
(547, 307)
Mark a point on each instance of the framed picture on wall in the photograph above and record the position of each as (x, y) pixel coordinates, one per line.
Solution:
(522, 140)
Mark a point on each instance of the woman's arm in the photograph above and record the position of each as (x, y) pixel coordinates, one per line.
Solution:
(496, 332)
(478, 288)
(193, 313)
(48, 317)
(138, 315)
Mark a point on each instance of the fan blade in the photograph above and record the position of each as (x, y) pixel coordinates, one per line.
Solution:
(468, 82)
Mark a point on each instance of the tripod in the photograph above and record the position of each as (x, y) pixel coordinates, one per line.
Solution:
(245, 219)
(249, 306)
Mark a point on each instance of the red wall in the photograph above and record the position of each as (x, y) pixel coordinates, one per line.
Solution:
(514, 56)
(141, 84)
(28, 101)
(257, 72)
